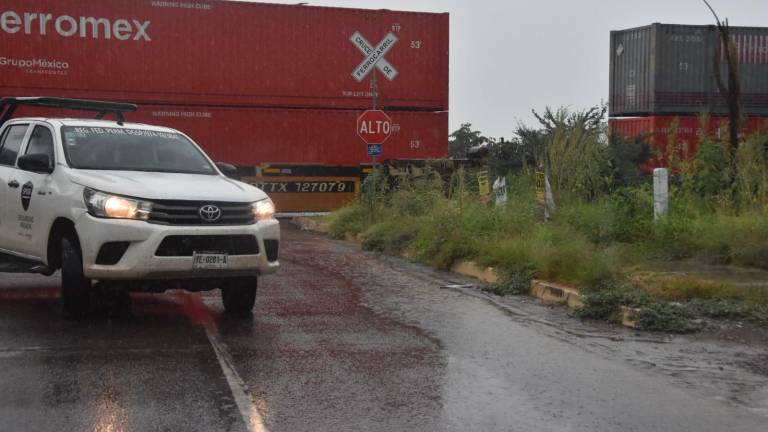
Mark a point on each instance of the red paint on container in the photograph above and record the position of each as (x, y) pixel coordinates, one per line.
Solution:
(687, 131)
(211, 52)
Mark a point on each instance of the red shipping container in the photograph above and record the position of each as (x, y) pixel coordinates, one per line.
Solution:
(257, 136)
(211, 52)
(688, 133)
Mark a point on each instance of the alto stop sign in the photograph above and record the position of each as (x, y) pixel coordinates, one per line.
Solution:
(374, 126)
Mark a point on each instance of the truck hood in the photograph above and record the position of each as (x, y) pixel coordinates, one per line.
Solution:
(168, 186)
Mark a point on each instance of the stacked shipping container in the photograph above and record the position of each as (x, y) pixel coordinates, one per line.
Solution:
(663, 71)
(255, 84)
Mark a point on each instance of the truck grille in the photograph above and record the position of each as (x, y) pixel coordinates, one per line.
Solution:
(187, 245)
(189, 213)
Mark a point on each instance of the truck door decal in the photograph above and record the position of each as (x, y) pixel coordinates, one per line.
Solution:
(26, 194)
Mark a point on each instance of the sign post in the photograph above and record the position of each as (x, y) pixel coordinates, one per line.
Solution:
(372, 146)
(374, 127)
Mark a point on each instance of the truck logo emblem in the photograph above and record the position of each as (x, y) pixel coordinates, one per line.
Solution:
(26, 194)
(209, 213)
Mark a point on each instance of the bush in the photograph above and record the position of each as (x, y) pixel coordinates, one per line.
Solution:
(666, 317)
(561, 254)
(391, 237)
(730, 309)
(593, 220)
(441, 237)
(632, 210)
(351, 219)
(713, 172)
(509, 254)
(513, 280)
(603, 298)
(674, 237)
(745, 237)
(416, 197)
(752, 171)
(603, 301)
(715, 237)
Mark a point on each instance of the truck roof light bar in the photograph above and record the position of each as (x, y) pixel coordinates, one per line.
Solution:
(8, 106)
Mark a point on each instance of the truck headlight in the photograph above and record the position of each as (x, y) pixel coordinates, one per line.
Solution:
(263, 210)
(105, 205)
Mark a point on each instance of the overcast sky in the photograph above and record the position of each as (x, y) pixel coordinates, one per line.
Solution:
(508, 57)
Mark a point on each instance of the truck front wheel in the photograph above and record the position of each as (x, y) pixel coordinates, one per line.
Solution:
(75, 288)
(239, 295)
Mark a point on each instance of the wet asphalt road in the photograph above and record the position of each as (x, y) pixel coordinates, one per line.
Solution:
(346, 341)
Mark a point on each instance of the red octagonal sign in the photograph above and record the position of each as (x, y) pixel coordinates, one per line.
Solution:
(374, 126)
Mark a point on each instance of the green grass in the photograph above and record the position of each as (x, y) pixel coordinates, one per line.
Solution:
(347, 220)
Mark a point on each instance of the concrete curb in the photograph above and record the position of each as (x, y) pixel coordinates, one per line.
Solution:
(548, 292)
(469, 268)
(553, 293)
(628, 316)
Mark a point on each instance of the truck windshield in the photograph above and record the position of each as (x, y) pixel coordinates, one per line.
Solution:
(102, 148)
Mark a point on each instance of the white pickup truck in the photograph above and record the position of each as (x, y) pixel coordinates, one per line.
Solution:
(138, 207)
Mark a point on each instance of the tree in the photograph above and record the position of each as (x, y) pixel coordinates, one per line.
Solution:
(625, 157)
(731, 91)
(463, 139)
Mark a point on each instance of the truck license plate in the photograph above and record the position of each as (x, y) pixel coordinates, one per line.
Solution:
(209, 261)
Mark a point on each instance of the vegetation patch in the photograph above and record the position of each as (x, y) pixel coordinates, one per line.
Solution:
(730, 309)
(683, 287)
(603, 301)
(514, 280)
(667, 317)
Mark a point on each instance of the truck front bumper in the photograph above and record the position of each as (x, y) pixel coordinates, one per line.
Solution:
(141, 260)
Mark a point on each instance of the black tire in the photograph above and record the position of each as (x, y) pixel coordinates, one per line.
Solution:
(75, 288)
(239, 295)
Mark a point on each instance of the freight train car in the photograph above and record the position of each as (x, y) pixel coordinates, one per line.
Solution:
(664, 69)
(210, 52)
(273, 89)
(684, 133)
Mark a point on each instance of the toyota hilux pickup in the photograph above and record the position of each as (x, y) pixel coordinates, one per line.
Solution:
(134, 206)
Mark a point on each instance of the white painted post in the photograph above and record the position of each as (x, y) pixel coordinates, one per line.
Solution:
(660, 192)
(549, 198)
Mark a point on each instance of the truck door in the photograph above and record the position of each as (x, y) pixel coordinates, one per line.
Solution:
(30, 207)
(10, 144)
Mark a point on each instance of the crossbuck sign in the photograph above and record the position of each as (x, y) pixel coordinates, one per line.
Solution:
(374, 56)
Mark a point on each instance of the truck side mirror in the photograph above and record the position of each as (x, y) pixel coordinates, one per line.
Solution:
(37, 163)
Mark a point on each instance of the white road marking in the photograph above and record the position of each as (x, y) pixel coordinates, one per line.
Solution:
(253, 420)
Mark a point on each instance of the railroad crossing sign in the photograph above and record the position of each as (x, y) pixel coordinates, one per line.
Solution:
(374, 126)
(374, 56)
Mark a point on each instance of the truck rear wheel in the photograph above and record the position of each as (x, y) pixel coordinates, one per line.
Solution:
(75, 288)
(239, 295)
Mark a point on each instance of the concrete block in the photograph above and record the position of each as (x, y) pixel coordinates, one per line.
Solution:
(471, 269)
